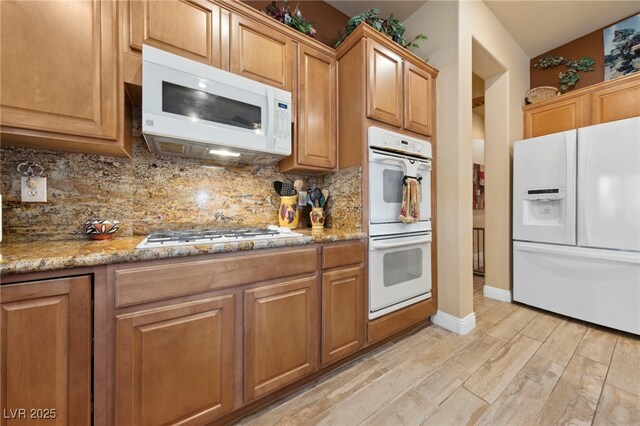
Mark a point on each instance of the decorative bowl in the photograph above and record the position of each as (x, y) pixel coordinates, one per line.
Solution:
(101, 229)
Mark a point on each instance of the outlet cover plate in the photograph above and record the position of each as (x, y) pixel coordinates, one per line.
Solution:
(38, 194)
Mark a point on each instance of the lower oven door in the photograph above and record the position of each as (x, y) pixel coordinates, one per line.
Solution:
(399, 272)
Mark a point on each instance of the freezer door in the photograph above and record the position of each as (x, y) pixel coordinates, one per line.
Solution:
(599, 286)
(544, 189)
(609, 185)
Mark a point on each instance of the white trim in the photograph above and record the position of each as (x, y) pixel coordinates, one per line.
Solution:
(497, 294)
(457, 325)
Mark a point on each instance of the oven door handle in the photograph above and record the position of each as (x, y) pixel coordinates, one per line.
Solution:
(403, 242)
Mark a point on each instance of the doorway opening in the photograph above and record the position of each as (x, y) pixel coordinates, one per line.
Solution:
(477, 142)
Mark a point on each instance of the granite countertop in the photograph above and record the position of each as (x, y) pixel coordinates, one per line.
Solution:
(39, 256)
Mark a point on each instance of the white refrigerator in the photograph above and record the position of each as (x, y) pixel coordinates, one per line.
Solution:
(576, 223)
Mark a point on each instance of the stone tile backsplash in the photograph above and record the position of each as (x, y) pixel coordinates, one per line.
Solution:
(149, 193)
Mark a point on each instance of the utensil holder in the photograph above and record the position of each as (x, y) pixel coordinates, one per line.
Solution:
(317, 219)
(288, 212)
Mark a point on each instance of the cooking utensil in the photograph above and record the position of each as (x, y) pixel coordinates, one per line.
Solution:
(309, 202)
(277, 185)
(321, 200)
(287, 189)
(315, 197)
(325, 195)
(298, 184)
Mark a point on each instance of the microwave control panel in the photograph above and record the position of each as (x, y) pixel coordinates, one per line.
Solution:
(282, 126)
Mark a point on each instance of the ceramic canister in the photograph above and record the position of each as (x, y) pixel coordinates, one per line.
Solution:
(317, 218)
(288, 213)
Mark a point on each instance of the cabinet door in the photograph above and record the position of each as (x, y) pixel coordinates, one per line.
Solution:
(176, 364)
(185, 27)
(417, 99)
(342, 313)
(616, 103)
(261, 53)
(317, 112)
(59, 66)
(280, 335)
(46, 349)
(384, 91)
(556, 117)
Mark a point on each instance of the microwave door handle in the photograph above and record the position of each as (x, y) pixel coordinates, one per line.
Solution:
(271, 111)
(401, 243)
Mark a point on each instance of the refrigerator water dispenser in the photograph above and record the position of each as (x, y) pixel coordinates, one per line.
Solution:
(543, 207)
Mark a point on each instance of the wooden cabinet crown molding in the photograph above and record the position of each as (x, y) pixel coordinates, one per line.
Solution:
(366, 31)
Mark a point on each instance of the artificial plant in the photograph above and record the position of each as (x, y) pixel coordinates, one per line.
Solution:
(281, 11)
(390, 27)
(569, 78)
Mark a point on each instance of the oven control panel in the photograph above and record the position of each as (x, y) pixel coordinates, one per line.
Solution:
(392, 141)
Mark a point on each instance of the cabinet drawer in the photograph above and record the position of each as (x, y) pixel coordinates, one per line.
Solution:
(158, 282)
(334, 256)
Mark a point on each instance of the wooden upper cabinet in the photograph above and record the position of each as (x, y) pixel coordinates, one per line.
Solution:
(176, 364)
(616, 103)
(317, 109)
(384, 80)
(603, 102)
(557, 117)
(46, 349)
(60, 79)
(417, 99)
(189, 28)
(261, 53)
(280, 335)
(343, 313)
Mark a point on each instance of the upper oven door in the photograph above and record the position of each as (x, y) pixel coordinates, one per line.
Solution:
(187, 100)
(386, 172)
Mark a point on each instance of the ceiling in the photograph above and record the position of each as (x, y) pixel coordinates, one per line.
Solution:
(401, 9)
(539, 26)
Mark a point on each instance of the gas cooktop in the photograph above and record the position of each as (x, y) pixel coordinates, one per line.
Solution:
(213, 236)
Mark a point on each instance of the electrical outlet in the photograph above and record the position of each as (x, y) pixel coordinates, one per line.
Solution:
(34, 189)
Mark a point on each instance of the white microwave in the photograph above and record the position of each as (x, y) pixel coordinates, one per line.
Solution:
(190, 109)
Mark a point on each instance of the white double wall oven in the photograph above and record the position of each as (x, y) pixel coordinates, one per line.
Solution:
(399, 253)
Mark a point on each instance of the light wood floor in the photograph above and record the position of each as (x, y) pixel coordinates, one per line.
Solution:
(519, 366)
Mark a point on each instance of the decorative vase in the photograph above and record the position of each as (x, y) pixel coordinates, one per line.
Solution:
(317, 219)
(288, 213)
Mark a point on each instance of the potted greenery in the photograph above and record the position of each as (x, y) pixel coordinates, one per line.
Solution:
(569, 78)
(281, 11)
(390, 27)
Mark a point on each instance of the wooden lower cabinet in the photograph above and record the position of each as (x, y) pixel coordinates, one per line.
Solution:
(343, 313)
(46, 351)
(280, 335)
(175, 364)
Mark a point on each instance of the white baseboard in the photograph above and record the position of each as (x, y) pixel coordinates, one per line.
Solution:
(457, 325)
(497, 293)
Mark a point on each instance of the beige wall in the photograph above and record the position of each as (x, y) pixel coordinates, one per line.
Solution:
(506, 78)
(453, 27)
(477, 131)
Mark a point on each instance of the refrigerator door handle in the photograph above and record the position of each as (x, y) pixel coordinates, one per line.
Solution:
(583, 148)
(611, 255)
